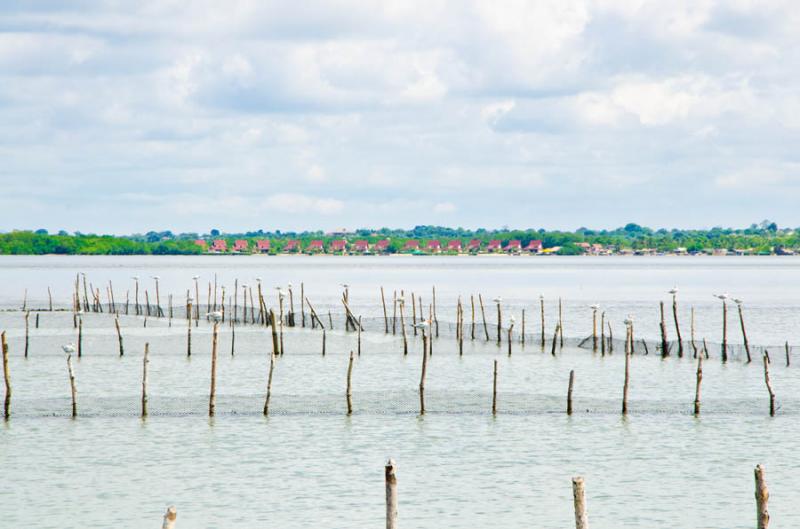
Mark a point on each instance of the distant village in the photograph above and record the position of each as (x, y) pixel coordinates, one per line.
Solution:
(343, 246)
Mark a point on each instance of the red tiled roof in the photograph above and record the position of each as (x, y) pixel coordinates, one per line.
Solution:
(433, 245)
(361, 245)
(220, 245)
(382, 244)
(293, 244)
(240, 244)
(534, 245)
(514, 245)
(338, 245)
(494, 244)
(200, 242)
(583, 244)
(262, 244)
(474, 244)
(454, 245)
(411, 245)
(315, 245)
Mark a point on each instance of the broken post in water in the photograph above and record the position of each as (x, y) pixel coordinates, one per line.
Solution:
(422, 374)
(663, 326)
(628, 351)
(269, 383)
(73, 390)
(169, 518)
(119, 335)
(483, 316)
(579, 501)
(494, 389)
(569, 391)
(212, 396)
(769, 385)
(390, 478)
(349, 392)
(762, 498)
(697, 385)
(6, 376)
(674, 293)
(145, 361)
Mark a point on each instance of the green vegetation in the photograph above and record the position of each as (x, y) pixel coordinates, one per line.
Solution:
(763, 238)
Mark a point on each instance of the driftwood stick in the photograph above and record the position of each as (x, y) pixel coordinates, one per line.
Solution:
(579, 500)
(422, 374)
(569, 391)
(6, 376)
(269, 383)
(555, 339)
(145, 361)
(212, 396)
(169, 518)
(391, 494)
(349, 392)
(769, 386)
(385, 314)
(72, 388)
(119, 336)
(762, 498)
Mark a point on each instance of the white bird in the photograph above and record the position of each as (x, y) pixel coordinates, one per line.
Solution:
(135, 278)
(594, 307)
(498, 299)
(156, 277)
(215, 316)
(737, 301)
(422, 325)
(195, 277)
(512, 319)
(541, 297)
(69, 348)
(258, 280)
(673, 290)
(628, 320)
(721, 296)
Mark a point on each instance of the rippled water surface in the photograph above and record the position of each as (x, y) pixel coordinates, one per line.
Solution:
(309, 465)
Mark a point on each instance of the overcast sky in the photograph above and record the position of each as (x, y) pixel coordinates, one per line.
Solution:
(121, 117)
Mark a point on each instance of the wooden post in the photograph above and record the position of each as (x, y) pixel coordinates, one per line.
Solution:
(786, 346)
(603, 333)
(697, 385)
(169, 518)
(483, 316)
(628, 351)
(724, 330)
(391, 495)
(579, 499)
(541, 312)
(744, 333)
(233, 336)
(510, 331)
(555, 338)
(269, 382)
(212, 397)
(569, 391)
(494, 390)
(769, 386)
(594, 329)
(119, 336)
(560, 324)
(275, 344)
(499, 322)
(6, 376)
(472, 326)
(280, 320)
(414, 313)
(323, 342)
(394, 313)
(385, 315)
(27, 331)
(189, 329)
(330, 319)
(80, 335)
(302, 305)
(677, 326)
(349, 392)
(147, 300)
(422, 374)
(694, 345)
(522, 331)
(402, 303)
(145, 361)
(72, 388)
(50, 298)
(359, 335)
(37, 321)
(762, 498)
(663, 326)
(290, 317)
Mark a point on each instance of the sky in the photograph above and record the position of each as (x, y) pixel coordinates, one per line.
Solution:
(124, 117)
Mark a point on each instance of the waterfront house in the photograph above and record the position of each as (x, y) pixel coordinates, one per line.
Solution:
(219, 246)
(315, 246)
(411, 246)
(381, 246)
(433, 246)
(513, 246)
(240, 245)
(534, 246)
(338, 246)
(361, 246)
(454, 246)
(474, 246)
(262, 246)
(495, 245)
(292, 246)
(201, 243)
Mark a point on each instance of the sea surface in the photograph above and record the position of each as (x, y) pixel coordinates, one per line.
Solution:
(308, 464)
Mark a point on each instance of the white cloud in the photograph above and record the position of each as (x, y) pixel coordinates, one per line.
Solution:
(296, 203)
(444, 207)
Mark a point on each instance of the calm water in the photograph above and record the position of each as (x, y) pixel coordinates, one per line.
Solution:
(308, 465)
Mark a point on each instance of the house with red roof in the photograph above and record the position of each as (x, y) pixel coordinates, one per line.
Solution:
(495, 245)
(361, 246)
(315, 246)
(535, 246)
(201, 243)
(513, 246)
(381, 246)
(338, 246)
(454, 246)
(292, 245)
(474, 246)
(411, 246)
(219, 246)
(240, 245)
(262, 245)
(434, 246)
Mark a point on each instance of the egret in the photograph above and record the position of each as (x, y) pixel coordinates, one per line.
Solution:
(69, 348)
(498, 299)
(673, 290)
(737, 301)
(215, 316)
(421, 325)
(723, 297)
(628, 320)
(135, 278)
(195, 277)
(511, 320)
(594, 307)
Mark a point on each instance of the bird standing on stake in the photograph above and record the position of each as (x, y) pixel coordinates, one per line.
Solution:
(594, 308)
(511, 321)
(159, 312)
(196, 297)
(69, 350)
(423, 326)
(674, 292)
(724, 298)
(498, 300)
(136, 296)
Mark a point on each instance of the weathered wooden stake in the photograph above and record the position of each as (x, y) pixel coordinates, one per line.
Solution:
(594, 329)
(269, 382)
(27, 331)
(541, 312)
(359, 335)
(385, 314)
(169, 518)
(628, 343)
(50, 298)
(189, 329)
(6, 376)
(212, 397)
(483, 316)
(522, 331)
(422, 374)
(744, 333)
(555, 338)
(663, 326)
(349, 392)
(73, 390)
(145, 361)
(499, 322)
(391, 495)
(472, 326)
(119, 336)
(402, 303)
(603, 333)
(677, 326)
(697, 385)
(560, 324)
(762, 498)
(569, 391)
(414, 313)
(769, 386)
(786, 346)
(494, 390)
(394, 312)
(579, 499)
(80, 336)
(276, 350)
(37, 321)
(724, 330)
